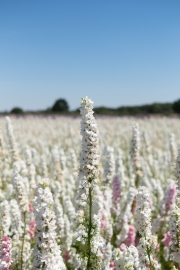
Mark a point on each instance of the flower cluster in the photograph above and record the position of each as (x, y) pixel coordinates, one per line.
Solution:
(47, 254)
(90, 141)
(12, 141)
(135, 146)
(121, 211)
(5, 254)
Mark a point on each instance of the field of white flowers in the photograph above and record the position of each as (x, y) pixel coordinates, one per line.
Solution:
(85, 193)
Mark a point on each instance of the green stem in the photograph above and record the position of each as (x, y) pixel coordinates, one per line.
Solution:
(150, 263)
(148, 253)
(22, 248)
(89, 229)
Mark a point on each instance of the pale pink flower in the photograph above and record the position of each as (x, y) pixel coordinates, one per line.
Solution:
(66, 256)
(32, 226)
(116, 190)
(122, 247)
(31, 207)
(103, 224)
(103, 250)
(170, 197)
(131, 236)
(167, 239)
(5, 254)
(112, 265)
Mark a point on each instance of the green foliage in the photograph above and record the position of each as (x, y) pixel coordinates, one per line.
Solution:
(17, 110)
(105, 110)
(155, 108)
(176, 106)
(60, 105)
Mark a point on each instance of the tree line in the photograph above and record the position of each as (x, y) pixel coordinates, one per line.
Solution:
(62, 106)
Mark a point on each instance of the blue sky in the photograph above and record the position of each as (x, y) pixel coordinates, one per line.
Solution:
(117, 52)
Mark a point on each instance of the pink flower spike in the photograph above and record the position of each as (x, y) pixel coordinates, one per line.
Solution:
(5, 254)
(116, 190)
(122, 247)
(66, 256)
(170, 197)
(103, 250)
(112, 265)
(167, 239)
(103, 224)
(32, 226)
(131, 236)
(31, 207)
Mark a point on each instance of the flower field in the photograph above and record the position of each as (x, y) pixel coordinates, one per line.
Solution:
(84, 193)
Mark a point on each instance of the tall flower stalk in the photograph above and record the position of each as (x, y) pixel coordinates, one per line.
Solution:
(173, 149)
(175, 219)
(88, 173)
(11, 139)
(135, 153)
(22, 198)
(147, 242)
(47, 254)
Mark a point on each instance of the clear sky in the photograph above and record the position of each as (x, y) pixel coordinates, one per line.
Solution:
(117, 52)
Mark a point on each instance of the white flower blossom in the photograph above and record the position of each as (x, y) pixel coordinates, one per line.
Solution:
(20, 188)
(12, 141)
(135, 146)
(47, 254)
(143, 212)
(109, 169)
(5, 218)
(90, 141)
(127, 260)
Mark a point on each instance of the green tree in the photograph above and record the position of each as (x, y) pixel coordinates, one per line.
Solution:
(60, 105)
(176, 106)
(16, 110)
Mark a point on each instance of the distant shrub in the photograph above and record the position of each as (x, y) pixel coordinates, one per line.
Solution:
(60, 105)
(16, 110)
(176, 106)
